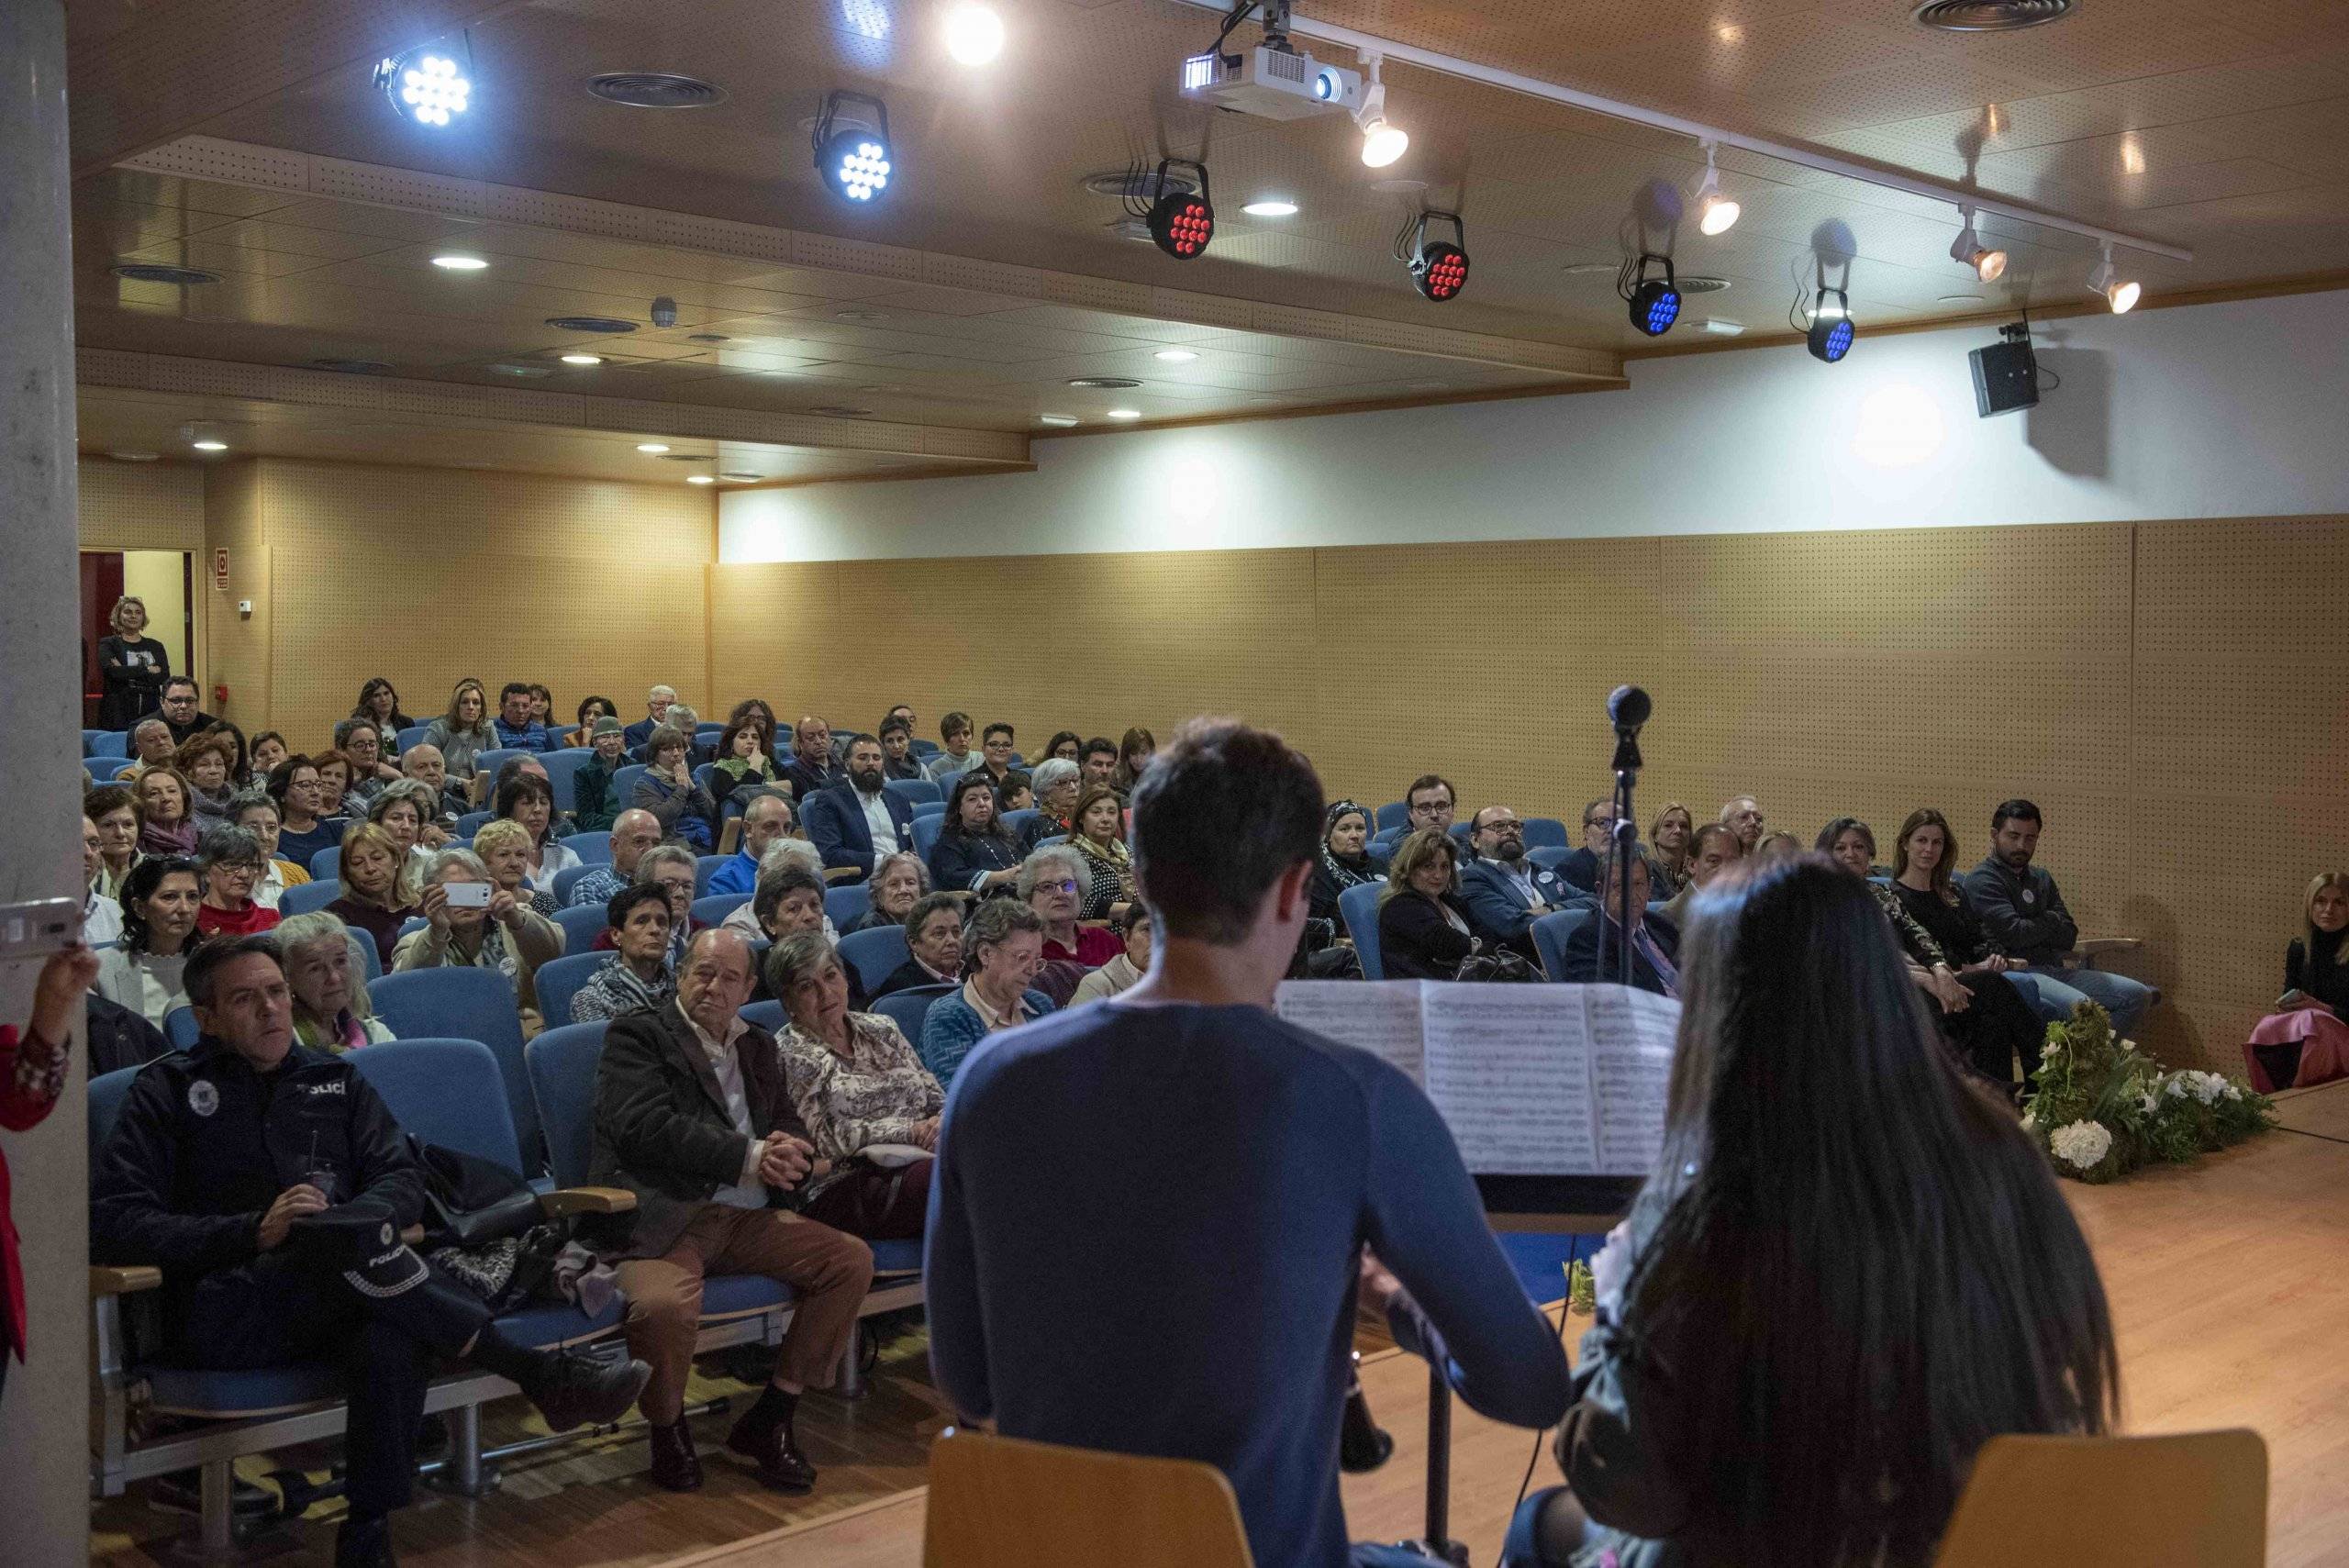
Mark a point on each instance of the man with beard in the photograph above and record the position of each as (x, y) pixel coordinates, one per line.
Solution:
(2023, 911)
(858, 824)
(1505, 892)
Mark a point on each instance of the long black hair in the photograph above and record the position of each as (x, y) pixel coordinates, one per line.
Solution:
(1864, 1269)
(963, 783)
(141, 886)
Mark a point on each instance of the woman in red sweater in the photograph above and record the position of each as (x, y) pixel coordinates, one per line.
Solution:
(230, 865)
(32, 1075)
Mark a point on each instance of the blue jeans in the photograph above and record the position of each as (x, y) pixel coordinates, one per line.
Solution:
(1534, 1543)
(2053, 990)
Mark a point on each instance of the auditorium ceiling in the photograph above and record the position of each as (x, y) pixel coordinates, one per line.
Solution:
(994, 277)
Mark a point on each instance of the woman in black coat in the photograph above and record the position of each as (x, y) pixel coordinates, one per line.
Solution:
(132, 667)
(974, 852)
(1423, 931)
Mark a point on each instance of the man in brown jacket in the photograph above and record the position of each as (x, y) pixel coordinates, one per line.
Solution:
(691, 1115)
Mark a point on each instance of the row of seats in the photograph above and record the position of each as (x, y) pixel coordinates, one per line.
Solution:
(1358, 906)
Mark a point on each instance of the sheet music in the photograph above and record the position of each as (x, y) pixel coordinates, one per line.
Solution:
(1508, 1066)
(1632, 1036)
(1381, 1016)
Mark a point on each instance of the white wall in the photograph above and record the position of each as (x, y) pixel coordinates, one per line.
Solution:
(2221, 410)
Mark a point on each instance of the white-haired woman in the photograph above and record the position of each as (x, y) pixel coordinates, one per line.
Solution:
(1057, 786)
(898, 884)
(329, 982)
(484, 927)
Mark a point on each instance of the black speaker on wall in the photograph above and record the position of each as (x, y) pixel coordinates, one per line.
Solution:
(2006, 374)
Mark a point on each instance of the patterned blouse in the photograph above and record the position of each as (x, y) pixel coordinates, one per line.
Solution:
(875, 1094)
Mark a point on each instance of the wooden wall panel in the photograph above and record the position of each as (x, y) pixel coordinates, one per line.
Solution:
(781, 631)
(237, 647)
(140, 506)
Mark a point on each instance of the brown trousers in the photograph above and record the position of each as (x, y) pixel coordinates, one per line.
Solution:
(830, 1271)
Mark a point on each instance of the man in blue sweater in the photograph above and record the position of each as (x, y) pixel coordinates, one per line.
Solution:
(1234, 1169)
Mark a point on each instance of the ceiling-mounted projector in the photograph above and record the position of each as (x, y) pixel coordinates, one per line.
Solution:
(1271, 82)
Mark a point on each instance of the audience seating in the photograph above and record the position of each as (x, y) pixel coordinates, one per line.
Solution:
(1380, 855)
(471, 823)
(845, 905)
(593, 849)
(1553, 932)
(1008, 1502)
(2188, 1500)
(706, 867)
(581, 927)
(371, 961)
(1549, 857)
(1546, 833)
(1395, 815)
(302, 897)
(327, 865)
(488, 763)
(876, 954)
(926, 831)
(404, 739)
(559, 979)
(702, 772)
(767, 1015)
(927, 748)
(1016, 820)
(105, 744)
(105, 770)
(180, 1029)
(624, 784)
(713, 909)
(562, 773)
(929, 809)
(909, 1007)
(1358, 906)
(570, 877)
(467, 1004)
(915, 792)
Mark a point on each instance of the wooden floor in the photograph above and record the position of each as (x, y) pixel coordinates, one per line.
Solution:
(2226, 1279)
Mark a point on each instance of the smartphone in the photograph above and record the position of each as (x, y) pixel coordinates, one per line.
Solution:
(467, 895)
(41, 926)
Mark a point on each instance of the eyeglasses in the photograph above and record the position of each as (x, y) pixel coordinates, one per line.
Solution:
(1496, 825)
(1057, 886)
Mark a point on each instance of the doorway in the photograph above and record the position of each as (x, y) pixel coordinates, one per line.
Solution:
(164, 581)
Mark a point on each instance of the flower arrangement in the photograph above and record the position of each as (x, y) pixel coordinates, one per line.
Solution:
(2102, 1107)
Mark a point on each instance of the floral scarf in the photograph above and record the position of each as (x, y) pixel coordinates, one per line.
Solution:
(1341, 873)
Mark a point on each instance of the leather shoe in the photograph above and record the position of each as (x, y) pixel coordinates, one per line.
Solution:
(571, 1390)
(675, 1466)
(769, 1445)
(364, 1544)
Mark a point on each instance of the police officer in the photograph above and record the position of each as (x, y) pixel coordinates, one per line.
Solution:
(271, 1185)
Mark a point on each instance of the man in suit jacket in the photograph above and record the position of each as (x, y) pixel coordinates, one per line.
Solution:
(1580, 869)
(859, 824)
(1593, 955)
(693, 1115)
(656, 709)
(1504, 891)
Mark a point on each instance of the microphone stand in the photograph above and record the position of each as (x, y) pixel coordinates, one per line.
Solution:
(1438, 1543)
(1627, 838)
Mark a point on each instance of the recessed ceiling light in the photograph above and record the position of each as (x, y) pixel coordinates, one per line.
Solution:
(739, 473)
(654, 90)
(583, 358)
(1124, 414)
(1594, 269)
(1105, 382)
(351, 367)
(653, 449)
(973, 34)
(1059, 421)
(210, 444)
(1175, 356)
(1960, 299)
(133, 457)
(1990, 16)
(454, 264)
(881, 386)
(1270, 208)
(701, 479)
(155, 272)
(839, 411)
(1140, 184)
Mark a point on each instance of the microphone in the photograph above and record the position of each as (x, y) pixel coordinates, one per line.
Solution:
(1627, 707)
(1361, 1446)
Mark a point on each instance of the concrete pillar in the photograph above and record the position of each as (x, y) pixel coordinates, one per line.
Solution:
(44, 1484)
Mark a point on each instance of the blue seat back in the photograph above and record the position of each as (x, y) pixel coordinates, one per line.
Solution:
(926, 831)
(913, 792)
(1388, 837)
(309, 895)
(404, 739)
(558, 979)
(562, 773)
(464, 1004)
(408, 928)
(1546, 832)
(562, 1081)
(701, 774)
(873, 954)
(1358, 906)
(327, 865)
(445, 1091)
(1553, 932)
(846, 905)
(1380, 855)
(706, 867)
(471, 823)
(929, 809)
(593, 849)
(100, 769)
(709, 729)
(714, 909)
(1460, 834)
(106, 1091)
(1016, 820)
(105, 744)
(927, 748)
(496, 757)
(1549, 857)
(180, 1028)
(767, 1015)
(623, 784)
(366, 954)
(1394, 814)
(909, 1007)
(570, 877)
(581, 927)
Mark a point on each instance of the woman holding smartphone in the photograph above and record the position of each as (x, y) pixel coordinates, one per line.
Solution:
(472, 923)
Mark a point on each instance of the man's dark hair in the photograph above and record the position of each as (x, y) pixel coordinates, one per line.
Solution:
(775, 884)
(1430, 781)
(105, 800)
(1099, 746)
(895, 727)
(203, 965)
(513, 689)
(1015, 779)
(1708, 831)
(997, 729)
(187, 680)
(856, 741)
(953, 724)
(617, 907)
(929, 903)
(2013, 811)
(517, 786)
(1224, 812)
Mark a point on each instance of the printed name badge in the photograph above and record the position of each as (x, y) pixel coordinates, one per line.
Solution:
(202, 1098)
(2029, 896)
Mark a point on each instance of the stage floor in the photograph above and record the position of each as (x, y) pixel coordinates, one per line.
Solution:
(2226, 1280)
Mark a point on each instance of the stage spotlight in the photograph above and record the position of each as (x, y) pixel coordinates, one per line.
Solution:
(428, 86)
(2119, 291)
(1968, 251)
(852, 155)
(1716, 214)
(1181, 223)
(1832, 330)
(973, 34)
(1381, 143)
(1654, 302)
(1439, 267)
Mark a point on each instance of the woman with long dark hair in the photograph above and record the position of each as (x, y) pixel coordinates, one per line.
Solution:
(378, 704)
(1849, 1270)
(1135, 748)
(974, 852)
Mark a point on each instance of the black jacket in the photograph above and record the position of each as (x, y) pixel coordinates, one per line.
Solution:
(1416, 942)
(661, 1127)
(1594, 951)
(958, 859)
(2023, 913)
(905, 977)
(120, 1037)
(205, 1144)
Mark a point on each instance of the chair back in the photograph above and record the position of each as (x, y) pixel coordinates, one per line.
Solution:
(465, 1004)
(106, 1091)
(558, 980)
(1380, 855)
(767, 1015)
(927, 748)
(874, 953)
(1358, 906)
(404, 739)
(702, 772)
(366, 954)
(1016, 822)
(1389, 836)
(180, 1029)
(1008, 1502)
(327, 865)
(471, 823)
(1546, 832)
(706, 867)
(926, 831)
(562, 1080)
(447, 1092)
(105, 744)
(1553, 932)
(121, 766)
(846, 904)
(929, 809)
(593, 849)
(1549, 857)
(581, 927)
(562, 773)
(2191, 1500)
(303, 898)
(713, 909)
(1395, 814)
(624, 784)
(100, 769)
(915, 792)
(909, 1007)
(488, 763)
(570, 877)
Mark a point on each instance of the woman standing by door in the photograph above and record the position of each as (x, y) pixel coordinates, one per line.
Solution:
(132, 666)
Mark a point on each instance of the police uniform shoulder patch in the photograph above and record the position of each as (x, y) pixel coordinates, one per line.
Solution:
(203, 1097)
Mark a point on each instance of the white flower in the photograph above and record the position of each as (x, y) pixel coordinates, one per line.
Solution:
(2146, 1103)
(2206, 1087)
(2234, 1091)
(2081, 1144)
(2174, 1086)
(2030, 1120)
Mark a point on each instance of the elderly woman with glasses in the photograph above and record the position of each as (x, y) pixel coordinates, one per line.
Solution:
(1003, 947)
(329, 984)
(1057, 787)
(208, 762)
(471, 922)
(230, 860)
(1052, 882)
